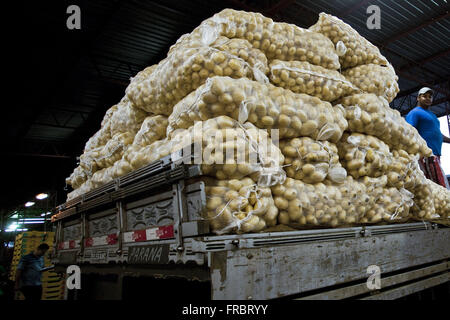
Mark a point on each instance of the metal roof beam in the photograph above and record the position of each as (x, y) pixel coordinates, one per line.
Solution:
(423, 83)
(21, 154)
(379, 45)
(427, 59)
(441, 16)
(415, 89)
(353, 8)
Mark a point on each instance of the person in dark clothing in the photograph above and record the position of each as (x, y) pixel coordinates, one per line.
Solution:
(28, 274)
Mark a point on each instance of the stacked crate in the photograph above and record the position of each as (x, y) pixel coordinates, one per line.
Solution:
(26, 242)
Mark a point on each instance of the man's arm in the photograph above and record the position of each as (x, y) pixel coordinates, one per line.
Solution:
(446, 139)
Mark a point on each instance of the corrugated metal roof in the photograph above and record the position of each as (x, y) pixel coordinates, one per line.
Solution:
(411, 31)
(125, 37)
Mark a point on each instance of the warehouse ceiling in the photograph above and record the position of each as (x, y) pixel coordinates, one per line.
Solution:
(64, 80)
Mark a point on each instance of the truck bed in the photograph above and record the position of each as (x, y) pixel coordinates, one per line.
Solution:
(148, 223)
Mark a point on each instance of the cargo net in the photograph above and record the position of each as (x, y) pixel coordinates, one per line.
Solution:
(303, 77)
(223, 147)
(365, 155)
(186, 69)
(376, 79)
(354, 50)
(370, 114)
(363, 201)
(276, 40)
(238, 206)
(312, 161)
(264, 105)
(118, 129)
(431, 201)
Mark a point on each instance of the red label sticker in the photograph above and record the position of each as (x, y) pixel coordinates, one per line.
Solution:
(139, 236)
(111, 238)
(89, 242)
(165, 232)
(71, 244)
(61, 245)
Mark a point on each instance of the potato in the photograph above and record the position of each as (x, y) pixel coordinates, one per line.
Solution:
(152, 129)
(277, 40)
(431, 201)
(303, 77)
(385, 123)
(355, 49)
(376, 79)
(127, 118)
(264, 106)
(320, 203)
(309, 160)
(360, 159)
(230, 211)
(232, 151)
(187, 68)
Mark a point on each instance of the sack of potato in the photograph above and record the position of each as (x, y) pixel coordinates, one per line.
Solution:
(400, 169)
(264, 105)
(388, 204)
(363, 155)
(85, 187)
(423, 208)
(356, 50)
(153, 128)
(238, 206)
(325, 204)
(100, 138)
(311, 161)
(281, 41)
(139, 157)
(441, 199)
(186, 69)
(104, 157)
(231, 150)
(303, 77)
(373, 78)
(77, 178)
(127, 118)
(370, 114)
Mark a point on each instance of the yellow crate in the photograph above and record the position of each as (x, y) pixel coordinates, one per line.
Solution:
(52, 292)
(53, 298)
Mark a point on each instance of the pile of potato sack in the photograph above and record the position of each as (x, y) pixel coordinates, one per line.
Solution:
(344, 157)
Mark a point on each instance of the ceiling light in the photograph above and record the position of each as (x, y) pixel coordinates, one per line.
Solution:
(15, 216)
(29, 204)
(41, 196)
(12, 226)
(33, 222)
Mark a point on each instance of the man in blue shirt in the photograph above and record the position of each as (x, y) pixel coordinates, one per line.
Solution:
(426, 122)
(29, 272)
(428, 126)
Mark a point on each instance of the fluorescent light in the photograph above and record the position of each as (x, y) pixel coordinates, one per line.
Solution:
(41, 196)
(12, 230)
(15, 216)
(42, 214)
(12, 226)
(29, 204)
(33, 222)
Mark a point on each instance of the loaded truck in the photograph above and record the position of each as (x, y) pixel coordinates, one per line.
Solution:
(145, 231)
